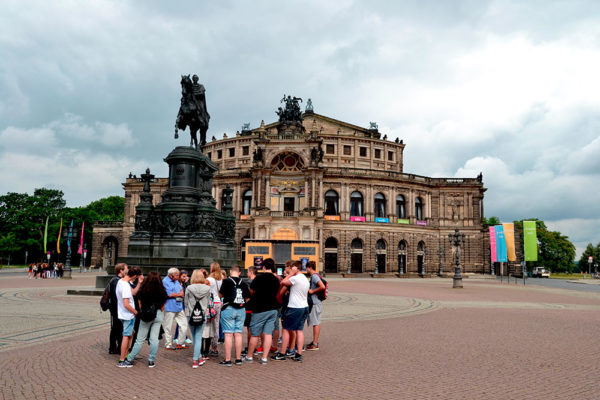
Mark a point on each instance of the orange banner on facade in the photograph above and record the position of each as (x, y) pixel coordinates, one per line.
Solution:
(509, 235)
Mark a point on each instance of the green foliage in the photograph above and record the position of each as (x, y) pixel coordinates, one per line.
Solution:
(590, 250)
(555, 251)
(23, 219)
(491, 221)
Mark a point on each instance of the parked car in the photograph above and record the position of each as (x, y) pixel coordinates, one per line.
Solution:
(540, 272)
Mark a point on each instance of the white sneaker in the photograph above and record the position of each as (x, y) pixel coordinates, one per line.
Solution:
(188, 341)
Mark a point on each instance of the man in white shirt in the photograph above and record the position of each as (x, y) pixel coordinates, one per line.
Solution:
(127, 312)
(297, 311)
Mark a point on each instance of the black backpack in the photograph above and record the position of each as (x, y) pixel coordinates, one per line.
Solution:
(105, 299)
(238, 300)
(322, 294)
(197, 317)
(148, 313)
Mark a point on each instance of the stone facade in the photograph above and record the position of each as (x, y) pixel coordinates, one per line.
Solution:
(338, 184)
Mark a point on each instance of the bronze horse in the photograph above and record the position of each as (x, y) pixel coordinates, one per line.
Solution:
(192, 112)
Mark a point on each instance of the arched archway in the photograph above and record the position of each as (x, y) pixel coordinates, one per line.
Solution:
(402, 248)
(421, 258)
(331, 255)
(380, 254)
(356, 256)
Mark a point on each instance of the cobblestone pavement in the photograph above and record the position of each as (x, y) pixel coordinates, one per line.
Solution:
(408, 339)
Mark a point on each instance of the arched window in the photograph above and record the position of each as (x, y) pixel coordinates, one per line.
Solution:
(246, 202)
(331, 203)
(287, 162)
(402, 245)
(400, 207)
(380, 245)
(379, 205)
(421, 246)
(419, 208)
(356, 204)
(331, 243)
(356, 244)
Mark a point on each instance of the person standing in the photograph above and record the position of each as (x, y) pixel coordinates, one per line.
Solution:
(216, 280)
(314, 315)
(296, 312)
(235, 294)
(127, 313)
(151, 300)
(197, 292)
(116, 327)
(174, 307)
(264, 290)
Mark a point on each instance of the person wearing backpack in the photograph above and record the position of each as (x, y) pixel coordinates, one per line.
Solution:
(116, 327)
(152, 297)
(314, 316)
(235, 294)
(196, 300)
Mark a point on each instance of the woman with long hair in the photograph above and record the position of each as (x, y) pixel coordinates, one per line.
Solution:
(216, 279)
(197, 291)
(152, 297)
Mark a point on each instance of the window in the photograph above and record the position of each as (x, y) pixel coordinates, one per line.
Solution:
(287, 162)
(331, 243)
(330, 149)
(421, 246)
(402, 245)
(246, 202)
(245, 150)
(377, 153)
(419, 208)
(219, 154)
(232, 152)
(390, 156)
(209, 155)
(356, 244)
(400, 207)
(380, 245)
(347, 150)
(356, 204)
(379, 205)
(331, 203)
(363, 151)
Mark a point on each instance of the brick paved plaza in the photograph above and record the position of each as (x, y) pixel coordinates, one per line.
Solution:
(401, 339)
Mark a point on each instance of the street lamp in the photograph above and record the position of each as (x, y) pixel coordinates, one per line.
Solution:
(376, 264)
(68, 234)
(82, 259)
(455, 240)
(84, 256)
(349, 270)
(590, 261)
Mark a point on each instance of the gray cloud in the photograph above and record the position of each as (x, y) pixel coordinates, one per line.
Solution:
(90, 91)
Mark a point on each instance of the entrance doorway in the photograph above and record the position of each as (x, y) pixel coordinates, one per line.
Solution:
(331, 256)
(356, 257)
(289, 204)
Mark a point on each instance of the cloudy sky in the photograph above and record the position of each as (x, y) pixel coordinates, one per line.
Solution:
(89, 91)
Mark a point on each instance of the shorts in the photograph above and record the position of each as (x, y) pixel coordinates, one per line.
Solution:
(128, 325)
(248, 319)
(295, 318)
(263, 322)
(314, 316)
(232, 319)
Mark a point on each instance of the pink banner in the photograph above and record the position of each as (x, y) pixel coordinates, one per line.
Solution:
(493, 243)
(358, 219)
(81, 241)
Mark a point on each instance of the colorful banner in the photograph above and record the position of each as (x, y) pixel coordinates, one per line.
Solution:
(500, 244)
(530, 239)
(358, 219)
(403, 221)
(382, 220)
(422, 223)
(493, 244)
(46, 234)
(58, 240)
(332, 218)
(509, 235)
(81, 241)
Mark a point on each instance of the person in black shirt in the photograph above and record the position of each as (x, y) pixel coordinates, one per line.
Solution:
(264, 290)
(235, 295)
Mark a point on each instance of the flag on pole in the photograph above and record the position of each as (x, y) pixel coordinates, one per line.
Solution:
(58, 240)
(500, 244)
(81, 241)
(509, 235)
(530, 240)
(493, 244)
(46, 234)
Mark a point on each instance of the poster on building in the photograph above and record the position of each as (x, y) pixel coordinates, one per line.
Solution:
(500, 244)
(530, 240)
(493, 244)
(509, 235)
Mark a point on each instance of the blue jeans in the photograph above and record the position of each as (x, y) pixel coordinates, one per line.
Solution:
(145, 327)
(197, 339)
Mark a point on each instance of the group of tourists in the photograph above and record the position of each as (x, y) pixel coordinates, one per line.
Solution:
(209, 308)
(46, 270)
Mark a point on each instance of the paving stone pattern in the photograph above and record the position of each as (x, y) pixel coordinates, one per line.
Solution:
(383, 339)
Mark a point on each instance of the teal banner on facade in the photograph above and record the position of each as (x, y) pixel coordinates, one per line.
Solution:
(501, 253)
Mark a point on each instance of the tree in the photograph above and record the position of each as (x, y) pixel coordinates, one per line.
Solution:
(8, 244)
(555, 251)
(491, 221)
(108, 209)
(590, 250)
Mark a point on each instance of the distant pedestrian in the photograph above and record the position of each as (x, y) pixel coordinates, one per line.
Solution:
(314, 315)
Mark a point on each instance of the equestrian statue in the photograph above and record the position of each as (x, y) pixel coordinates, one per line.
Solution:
(192, 112)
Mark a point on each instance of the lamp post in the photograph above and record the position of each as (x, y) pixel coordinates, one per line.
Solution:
(84, 256)
(441, 254)
(455, 240)
(349, 270)
(69, 235)
(376, 264)
(590, 261)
